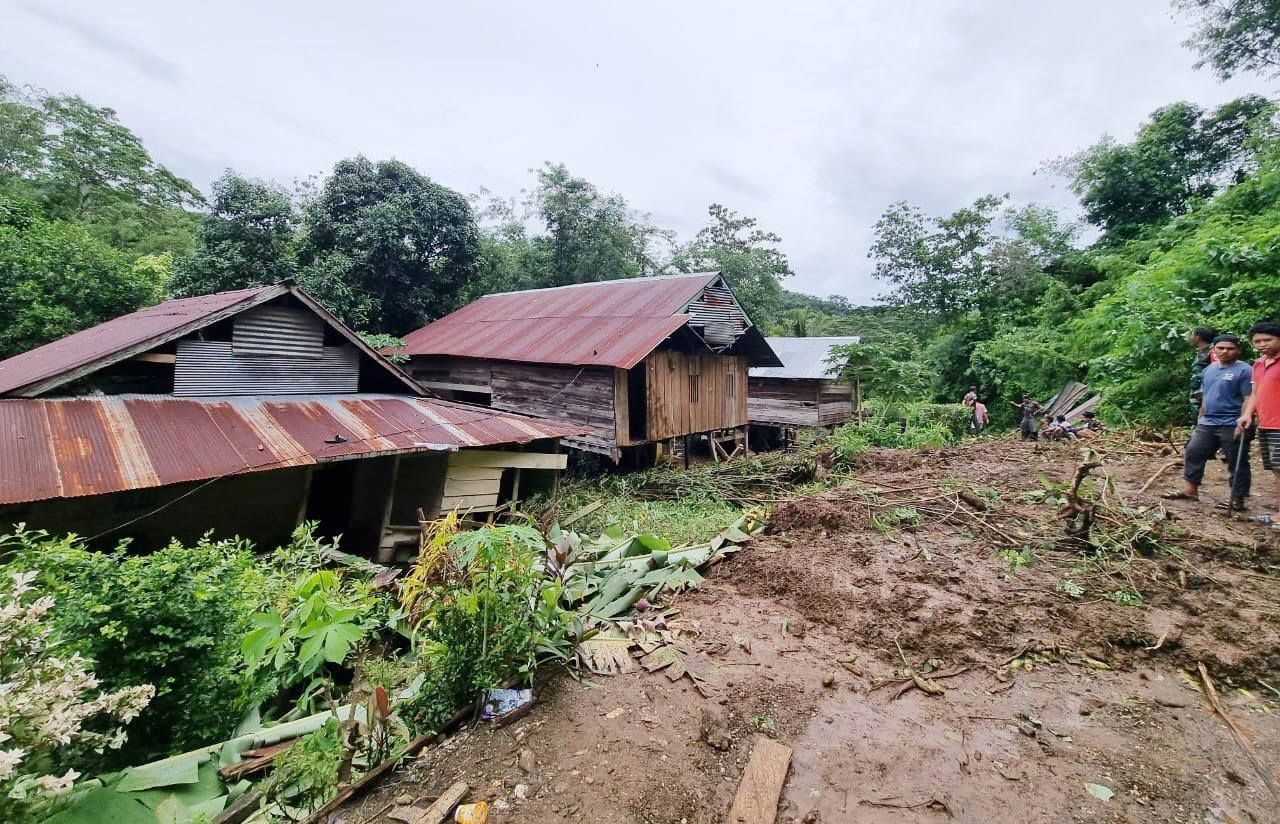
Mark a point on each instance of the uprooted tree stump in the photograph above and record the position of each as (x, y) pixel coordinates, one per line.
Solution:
(1078, 511)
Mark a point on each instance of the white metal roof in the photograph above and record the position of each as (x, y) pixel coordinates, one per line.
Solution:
(804, 358)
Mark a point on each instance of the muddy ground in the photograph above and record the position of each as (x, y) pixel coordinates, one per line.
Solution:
(846, 583)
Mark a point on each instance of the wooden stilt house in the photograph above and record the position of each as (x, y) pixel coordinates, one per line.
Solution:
(635, 362)
(246, 413)
(806, 391)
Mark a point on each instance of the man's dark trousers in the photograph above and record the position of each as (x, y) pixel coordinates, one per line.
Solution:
(1205, 443)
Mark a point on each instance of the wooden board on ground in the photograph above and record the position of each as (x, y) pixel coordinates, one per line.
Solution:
(440, 809)
(762, 781)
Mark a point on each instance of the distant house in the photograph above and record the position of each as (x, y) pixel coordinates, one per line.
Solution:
(806, 390)
(633, 362)
(244, 412)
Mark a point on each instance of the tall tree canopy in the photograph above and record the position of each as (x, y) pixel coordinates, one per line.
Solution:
(749, 258)
(1234, 36)
(384, 247)
(1181, 156)
(80, 163)
(936, 264)
(56, 278)
(245, 239)
(564, 231)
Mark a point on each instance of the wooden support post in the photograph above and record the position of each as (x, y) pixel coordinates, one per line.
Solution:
(515, 488)
(686, 451)
(306, 496)
(387, 553)
(555, 484)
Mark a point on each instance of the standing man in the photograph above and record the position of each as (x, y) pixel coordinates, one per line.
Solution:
(1202, 339)
(1225, 387)
(979, 417)
(1027, 425)
(1265, 403)
(970, 400)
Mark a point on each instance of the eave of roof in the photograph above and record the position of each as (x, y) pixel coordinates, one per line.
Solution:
(607, 323)
(75, 356)
(73, 447)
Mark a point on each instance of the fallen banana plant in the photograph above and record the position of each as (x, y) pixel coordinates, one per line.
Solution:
(612, 582)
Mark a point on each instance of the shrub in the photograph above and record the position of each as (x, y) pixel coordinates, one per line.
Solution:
(483, 612)
(46, 701)
(919, 426)
(173, 618)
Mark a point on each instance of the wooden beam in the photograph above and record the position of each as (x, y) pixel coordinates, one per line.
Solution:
(240, 809)
(457, 387)
(464, 502)
(482, 486)
(473, 473)
(156, 357)
(762, 782)
(494, 457)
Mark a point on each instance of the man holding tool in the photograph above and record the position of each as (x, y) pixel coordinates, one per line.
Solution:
(1225, 387)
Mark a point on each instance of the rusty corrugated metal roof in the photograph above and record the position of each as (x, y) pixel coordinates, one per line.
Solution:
(122, 334)
(610, 323)
(66, 448)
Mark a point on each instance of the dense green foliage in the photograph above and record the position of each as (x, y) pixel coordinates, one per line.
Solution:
(57, 277)
(89, 222)
(245, 239)
(1235, 36)
(173, 618)
(384, 247)
(484, 616)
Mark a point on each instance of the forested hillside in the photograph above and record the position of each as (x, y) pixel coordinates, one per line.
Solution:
(1177, 226)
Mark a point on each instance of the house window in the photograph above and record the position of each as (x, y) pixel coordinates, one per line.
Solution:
(693, 389)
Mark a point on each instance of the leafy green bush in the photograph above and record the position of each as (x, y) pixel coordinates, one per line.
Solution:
(917, 426)
(484, 615)
(953, 418)
(173, 618)
(318, 620)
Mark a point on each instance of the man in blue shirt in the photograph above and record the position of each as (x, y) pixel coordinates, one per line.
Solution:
(1224, 387)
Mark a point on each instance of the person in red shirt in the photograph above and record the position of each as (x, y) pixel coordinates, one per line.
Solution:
(1265, 404)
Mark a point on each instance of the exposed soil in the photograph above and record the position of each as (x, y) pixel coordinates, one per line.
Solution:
(1002, 743)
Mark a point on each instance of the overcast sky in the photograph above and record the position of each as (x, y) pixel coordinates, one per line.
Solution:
(811, 117)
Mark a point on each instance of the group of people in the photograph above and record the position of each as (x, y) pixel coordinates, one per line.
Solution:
(1055, 427)
(1235, 404)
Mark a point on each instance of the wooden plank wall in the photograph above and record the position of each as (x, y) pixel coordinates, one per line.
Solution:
(783, 402)
(428, 369)
(694, 393)
(573, 394)
(835, 403)
(473, 478)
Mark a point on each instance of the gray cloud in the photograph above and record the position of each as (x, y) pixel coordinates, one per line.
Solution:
(144, 61)
(811, 118)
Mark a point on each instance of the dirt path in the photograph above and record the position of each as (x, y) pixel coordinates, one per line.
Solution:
(827, 593)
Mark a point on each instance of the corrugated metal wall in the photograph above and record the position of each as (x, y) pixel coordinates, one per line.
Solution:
(212, 368)
(718, 315)
(275, 330)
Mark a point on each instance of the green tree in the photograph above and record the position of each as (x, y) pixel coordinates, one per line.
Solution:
(56, 278)
(80, 163)
(747, 256)
(1181, 156)
(246, 239)
(1233, 36)
(590, 235)
(385, 248)
(937, 265)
